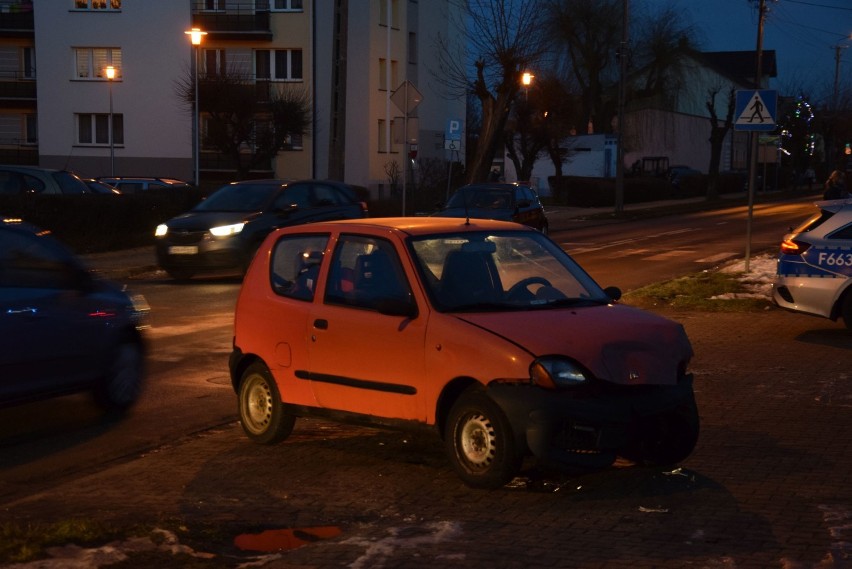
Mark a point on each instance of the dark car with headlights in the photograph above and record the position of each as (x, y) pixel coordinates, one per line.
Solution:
(223, 231)
(64, 330)
(483, 331)
(501, 201)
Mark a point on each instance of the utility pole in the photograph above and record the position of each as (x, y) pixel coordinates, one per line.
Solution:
(622, 60)
(753, 135)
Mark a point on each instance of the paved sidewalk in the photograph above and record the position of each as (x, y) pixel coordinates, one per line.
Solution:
(767, 486)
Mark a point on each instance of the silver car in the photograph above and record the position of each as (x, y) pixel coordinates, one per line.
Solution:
(814, 273)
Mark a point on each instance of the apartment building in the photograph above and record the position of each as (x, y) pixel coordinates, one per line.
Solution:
(59, 108)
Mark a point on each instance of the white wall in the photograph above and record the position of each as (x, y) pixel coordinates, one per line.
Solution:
(155, 54)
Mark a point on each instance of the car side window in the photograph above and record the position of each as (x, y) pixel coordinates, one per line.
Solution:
(325, 194)
(298, 195)
(27, 263)
(69, 183)
(295, 266)
(365, 271)
(842, 233)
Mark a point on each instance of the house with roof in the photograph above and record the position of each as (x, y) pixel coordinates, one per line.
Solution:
(668, 122)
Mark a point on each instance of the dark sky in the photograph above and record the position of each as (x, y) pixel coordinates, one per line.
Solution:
(803, 33)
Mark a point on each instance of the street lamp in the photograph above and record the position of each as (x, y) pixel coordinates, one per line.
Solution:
(110, 75)
(195, 36)
(526, 80)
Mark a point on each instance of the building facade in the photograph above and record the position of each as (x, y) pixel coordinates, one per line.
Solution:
(60, 109)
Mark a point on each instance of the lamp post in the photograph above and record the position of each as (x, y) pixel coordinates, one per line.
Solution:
(195, 36)
(110, 75)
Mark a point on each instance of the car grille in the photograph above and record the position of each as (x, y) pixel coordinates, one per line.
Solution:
(185, 236)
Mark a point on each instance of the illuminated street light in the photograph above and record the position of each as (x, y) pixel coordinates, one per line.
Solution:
(110, 75)
(195, 36)
(526, 81)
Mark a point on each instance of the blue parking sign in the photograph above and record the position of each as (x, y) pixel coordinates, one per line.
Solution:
(454, 129)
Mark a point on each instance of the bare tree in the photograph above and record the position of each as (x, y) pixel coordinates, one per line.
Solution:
(247, 121)
(589, 32)
(505, 40)
(719, 129)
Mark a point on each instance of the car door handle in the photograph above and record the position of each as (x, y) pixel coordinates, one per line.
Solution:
(27, 310)
(321, 324)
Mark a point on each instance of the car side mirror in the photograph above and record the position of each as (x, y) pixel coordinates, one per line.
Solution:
(285, 210)
(613, 292)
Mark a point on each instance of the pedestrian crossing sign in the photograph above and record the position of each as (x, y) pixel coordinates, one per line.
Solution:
(756, 110)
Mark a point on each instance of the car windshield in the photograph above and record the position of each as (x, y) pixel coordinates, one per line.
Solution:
(239, 197)
(481, 198)
(501, 271)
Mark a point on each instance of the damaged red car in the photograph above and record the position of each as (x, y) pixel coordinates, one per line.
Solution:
(485, 331)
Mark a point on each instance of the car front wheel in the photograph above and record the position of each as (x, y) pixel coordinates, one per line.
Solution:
(847, 310)
(479, 442)
(121, 387)
(261, 411)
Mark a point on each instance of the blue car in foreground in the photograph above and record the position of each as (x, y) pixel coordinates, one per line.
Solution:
(64, 330)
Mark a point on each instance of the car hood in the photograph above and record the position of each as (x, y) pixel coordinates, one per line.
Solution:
(201, 220)
(617, 343)
(477, 213)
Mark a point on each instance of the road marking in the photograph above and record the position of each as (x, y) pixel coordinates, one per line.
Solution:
(669, 255)
(717, 258)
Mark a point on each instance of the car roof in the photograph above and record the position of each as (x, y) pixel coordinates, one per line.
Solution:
(412, 225)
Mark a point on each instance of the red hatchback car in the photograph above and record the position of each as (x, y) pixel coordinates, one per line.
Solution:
(486, 331)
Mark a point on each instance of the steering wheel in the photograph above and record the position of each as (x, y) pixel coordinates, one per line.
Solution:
(523, 285)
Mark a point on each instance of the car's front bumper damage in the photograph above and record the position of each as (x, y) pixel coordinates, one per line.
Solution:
(588, 427)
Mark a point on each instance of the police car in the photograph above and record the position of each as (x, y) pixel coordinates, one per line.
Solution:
(814, 273)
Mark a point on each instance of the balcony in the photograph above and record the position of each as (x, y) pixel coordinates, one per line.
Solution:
(16, 20)
(17, 91)
(236, 21)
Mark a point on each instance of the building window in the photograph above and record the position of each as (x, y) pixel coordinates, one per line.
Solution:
(215, 62)
(93, 129)
(28, 62)
(97, 4)
(384, 133)
(92, 62)
(278, 64)
(31, 128)
(286, 5)
(213, 5)
(412, 47)
(383, 75)
(383, 13)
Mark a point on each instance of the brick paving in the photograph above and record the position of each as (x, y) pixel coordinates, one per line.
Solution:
(767, 487)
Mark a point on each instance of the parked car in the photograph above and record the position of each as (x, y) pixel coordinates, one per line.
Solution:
(64, 330)
(223, 231)
(98, 187)
(34, 180)
(501, 201)
(814, 271)
(483, 330)
(133, 185)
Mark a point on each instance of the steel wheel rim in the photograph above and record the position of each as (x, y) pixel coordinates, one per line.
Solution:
(257, 405)
(477, 441)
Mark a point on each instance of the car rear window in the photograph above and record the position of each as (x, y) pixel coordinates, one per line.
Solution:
(239, 197)
(814, 221)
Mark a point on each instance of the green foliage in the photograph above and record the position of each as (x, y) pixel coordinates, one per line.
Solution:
(696, 292)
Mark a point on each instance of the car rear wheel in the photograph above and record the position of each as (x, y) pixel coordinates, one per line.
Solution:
(667, 438)
(261, 411)
(479, 441)
(121, 387)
